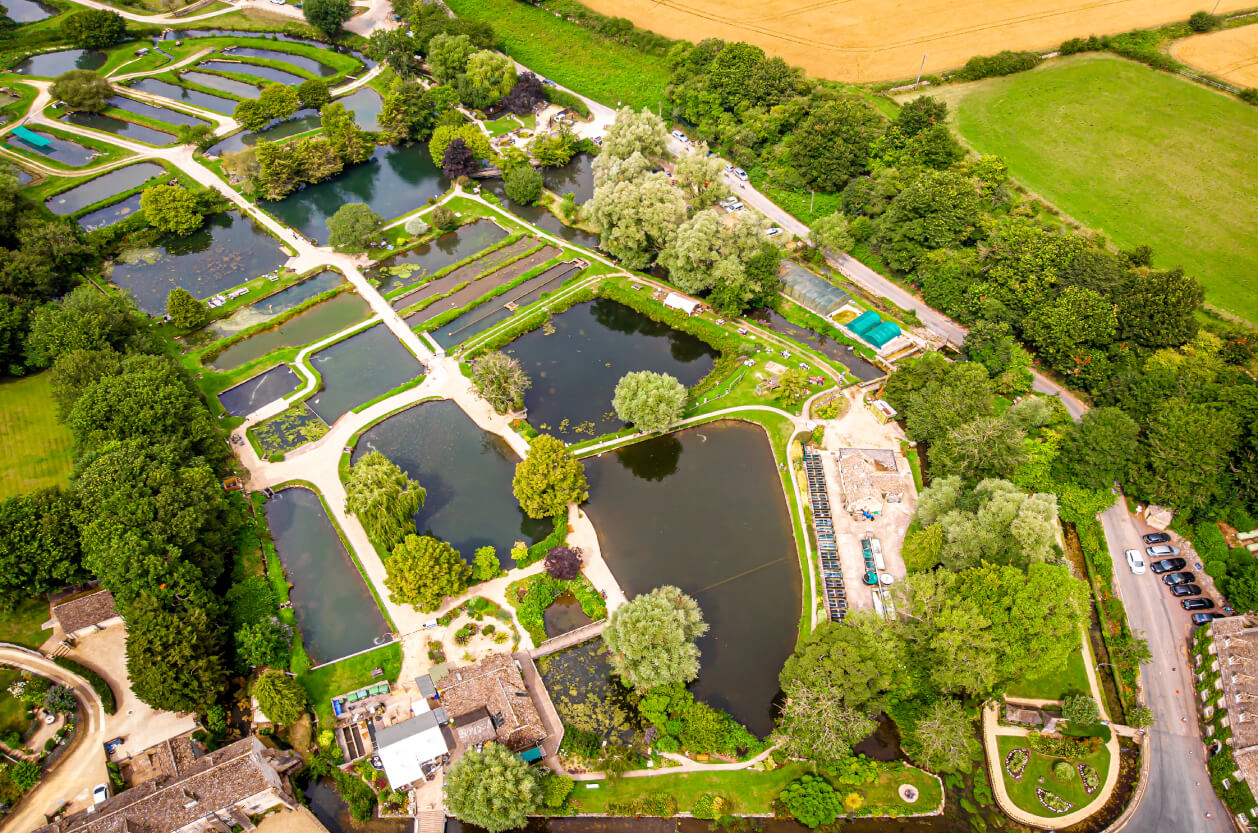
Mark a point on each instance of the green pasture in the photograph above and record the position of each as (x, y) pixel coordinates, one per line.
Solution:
(35, 448)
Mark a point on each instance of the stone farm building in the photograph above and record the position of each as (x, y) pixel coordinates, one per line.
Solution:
(86, 613)
(488, 701)
(1230, 705)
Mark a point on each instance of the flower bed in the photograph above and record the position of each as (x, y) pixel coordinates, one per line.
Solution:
(1015, 763)
(1091, 781)
(1054, 803)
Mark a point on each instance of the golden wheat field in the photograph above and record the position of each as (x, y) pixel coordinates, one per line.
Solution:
(882, 40)
(1231, 54)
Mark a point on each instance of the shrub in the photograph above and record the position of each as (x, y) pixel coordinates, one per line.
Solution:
(1002, 63)
(415, 226)
(811, 800)
(96, 681)
(555, 789)
(1016, 761)
(1062, 771)
(564, 563)
(523, 185)
(1203, 22)
(442, 217)
(710, 806)
(1250, 96)
(1209, 541)
(1062, 747)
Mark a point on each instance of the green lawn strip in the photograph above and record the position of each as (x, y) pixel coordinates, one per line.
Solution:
(345, 543)
(1057, 685)
(266, 288)
(604, 70)
(1039, 773)
(809, 320)
(1086, 133)
(145, 121)
(450, 315)
(108, 153)
(173, 77)
(915, 463)
(344, 63)
(405, 386)
(21, 625)
(36, 450)
(753, 791)
(322, 684)
(445, 270)
(26, 96)
(172, 172)
(12, 710)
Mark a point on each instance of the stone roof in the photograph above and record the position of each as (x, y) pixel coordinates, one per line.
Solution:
(1019, 714)
(475, 727)
(1236, 647)
(869, 477)
(494, 685)
(194, 787)
(85, 611)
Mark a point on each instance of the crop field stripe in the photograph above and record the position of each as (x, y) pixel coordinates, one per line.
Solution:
(35, 448)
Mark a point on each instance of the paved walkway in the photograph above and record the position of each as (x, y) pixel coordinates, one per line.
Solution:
(684, 764)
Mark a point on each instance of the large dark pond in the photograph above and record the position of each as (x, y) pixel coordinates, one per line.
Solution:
(703, 509)
(427, 259)
(467, 472)
(262, 389)
(540, 217)
(393, 182)
(52, 64)
(102, 187)
(118, 127)
(162, 114)
(213, 103)
(227, 251)
(823, 344)
(253, 71)
(68, 153)
(576, 178)
(576, 363)
(359, 369)
(26, 11)
(110, 214)
(335, 611)
(308, 64)
(307, 327)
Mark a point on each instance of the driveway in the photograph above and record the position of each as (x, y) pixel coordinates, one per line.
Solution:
(1178, 794)
(82, 768)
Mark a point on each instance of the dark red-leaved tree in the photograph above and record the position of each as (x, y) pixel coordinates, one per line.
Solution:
(527, 93)
(564, 563)
(458, 160)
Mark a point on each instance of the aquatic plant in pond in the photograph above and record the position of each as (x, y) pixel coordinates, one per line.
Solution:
(703, 509)
(227, 251)
(262, 389)
(101, 187)
(307, 327)
(196, 98)
(162, 114)
(586, 695)
(335, 611)
(52, 64)
(110, 214)
(576, 361)
(429, 258)
(288, 430)
(467, 472)
(359, 369)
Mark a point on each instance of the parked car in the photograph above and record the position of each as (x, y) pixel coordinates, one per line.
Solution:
(735, 206)
(727, 202)
(1162, 551)
(100, 794)
(1196, 604)
(1205, 618)
(1136, 562)
(679, 136)
(1171, 579)
(1168, 565)
(775, 231)
(1157, 538)
(741, 174)
(1181, 590)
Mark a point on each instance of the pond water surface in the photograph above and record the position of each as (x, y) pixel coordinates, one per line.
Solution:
(541, 217)
(213, 103)
(575, 368)
(110, 214)
(264, 310)
(335, 611)
(703, 509)
(576, 178)
(392, 182)
(218, 82)
(52, 64)
(308, 64)
(308, 327)
(333, 813)
(842, 353)
(102, 187)
(227, 251)
(359, 369)
(162, 114)
(254, 71)
(467, 472)
(68, 153)
(26, 11)
(118, 127)
(262, 389)
(430, 258)
(364, 104)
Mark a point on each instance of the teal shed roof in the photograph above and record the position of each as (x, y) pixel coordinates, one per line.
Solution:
(31, 137)
(883, 333)
(864, 322)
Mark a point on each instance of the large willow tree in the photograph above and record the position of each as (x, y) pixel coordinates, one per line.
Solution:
(384, 498)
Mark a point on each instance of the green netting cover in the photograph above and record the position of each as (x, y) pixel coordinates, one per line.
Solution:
(864, 322)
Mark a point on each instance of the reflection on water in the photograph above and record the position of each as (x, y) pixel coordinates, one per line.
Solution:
(118, 127)
(102, 187)
(162, 114)
(110, 214)
(262, 389)
(308, 327)
(359, 369)
(52, 64)
(68, 153)
(576, 178)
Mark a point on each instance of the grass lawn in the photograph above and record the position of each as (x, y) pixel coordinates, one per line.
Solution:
(12, 710)
(754, 791)
(348, 674)
(35, 448)
(1141, 155)
(608, 72)
(1039, 773)
(1057, 685)
(21, 625)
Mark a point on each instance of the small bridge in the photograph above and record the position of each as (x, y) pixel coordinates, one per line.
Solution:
(567, 640)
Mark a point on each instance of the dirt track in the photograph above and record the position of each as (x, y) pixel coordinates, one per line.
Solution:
(1231, 54)
(881, 40)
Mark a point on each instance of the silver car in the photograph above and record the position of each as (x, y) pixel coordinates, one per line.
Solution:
(1162, 551)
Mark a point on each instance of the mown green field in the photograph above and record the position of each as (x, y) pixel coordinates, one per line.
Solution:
(1141, 155)
(35, 448)
(608, 72)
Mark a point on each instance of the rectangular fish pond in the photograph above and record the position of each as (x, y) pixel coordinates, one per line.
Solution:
(481, 318)
(703, 509)
(218, 82)
(363, 103)
(586, 694)
(359, 369)
(415, 264)
(485, 262)
(483, 286)
(335, 611)
(308, 327)
(102, 187)
(118, 127)
(467, 472)
(68, 153)
(262, 389)
(308, 64)
(52, 64)
(393, 182)
(844, 354)
(163, 114)
(225, 252)
(253, 71)
(213, 103)
(110, 214)
(576, 361)
(264, 310)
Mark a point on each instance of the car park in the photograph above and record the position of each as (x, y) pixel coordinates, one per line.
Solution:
(1162, 551)
(1196, 604)
(1205, 618)
(734, 206)
(1157, 538)
(1135, 561)
(1168, 565)
(728, 201)
(1181, 590)
(1171, 579)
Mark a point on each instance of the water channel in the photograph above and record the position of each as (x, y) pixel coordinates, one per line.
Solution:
(218, 82)
(102, 187)
(213, 103)
(392, 182)
(576, 178)
(52, 64)
(308, 327)
(262, 389)
(541, 217)
(359, 369)
(264, 310)
(429, 258)
(152, 111)
(576, 363)
(118, 127)
(308, 64)
(335, 611)
(467, 472)
(703, 509)
(227, 251)
(253, 71)
(68, 153)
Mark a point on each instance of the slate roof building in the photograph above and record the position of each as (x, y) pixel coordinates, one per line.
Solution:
(86, 613)
(489, 701)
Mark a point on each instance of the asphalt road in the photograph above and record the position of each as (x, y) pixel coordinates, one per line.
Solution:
(1179, 794)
